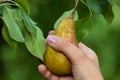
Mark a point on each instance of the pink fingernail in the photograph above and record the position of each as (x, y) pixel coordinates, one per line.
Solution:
(52, 38)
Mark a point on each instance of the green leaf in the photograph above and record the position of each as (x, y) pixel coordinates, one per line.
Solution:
(110, 1)
(102, 7)
(83, 25)
(1, 10)
(108, 14)
(94, 5)
(107, 11)
(117, 2)
(65, 15)
(10, 22)
(83, 28)
(7, 38)
(29, 24)
(24, 4)
(22, 24)
(34, 38)
(36, 46)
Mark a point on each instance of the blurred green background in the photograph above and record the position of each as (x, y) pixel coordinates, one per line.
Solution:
(104, 39)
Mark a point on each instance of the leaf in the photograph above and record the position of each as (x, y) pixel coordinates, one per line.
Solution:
(29, 24)
(22, 24)
(102, 7)
(107, 10)
(83, 27)
(1, 10)
(34, 38)
(108, 14)
(65, 15)
(13, 28)
(116, 2)
(24, 4)
(110, 1)
(7, 38)
(94, 5)
(37, 46)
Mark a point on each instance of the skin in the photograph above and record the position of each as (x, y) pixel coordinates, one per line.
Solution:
(84, 62)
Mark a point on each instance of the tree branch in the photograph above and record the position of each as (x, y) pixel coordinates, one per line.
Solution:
(4, 1)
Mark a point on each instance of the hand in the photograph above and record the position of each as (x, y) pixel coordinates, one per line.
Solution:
(84, 62)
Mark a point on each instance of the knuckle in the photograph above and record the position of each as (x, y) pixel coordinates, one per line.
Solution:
(62, 44)
(80, 58)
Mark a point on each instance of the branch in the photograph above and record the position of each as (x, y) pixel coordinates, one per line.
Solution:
(4, 1)
(74, 9)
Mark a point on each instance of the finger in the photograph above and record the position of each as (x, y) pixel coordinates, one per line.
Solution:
(66, 78)
(72, 52)
(51, 32)
(44, 71)
(90, 53)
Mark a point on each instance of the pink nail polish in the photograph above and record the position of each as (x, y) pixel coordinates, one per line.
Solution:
(52, 38)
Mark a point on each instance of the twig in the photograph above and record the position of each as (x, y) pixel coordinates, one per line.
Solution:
(74, 9)
(4, 1)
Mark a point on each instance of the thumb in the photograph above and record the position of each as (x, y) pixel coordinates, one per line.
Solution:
(73, 53)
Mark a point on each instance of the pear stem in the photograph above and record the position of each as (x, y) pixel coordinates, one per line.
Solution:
(74, 9)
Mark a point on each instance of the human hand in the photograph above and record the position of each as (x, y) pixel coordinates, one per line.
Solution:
(84, 62)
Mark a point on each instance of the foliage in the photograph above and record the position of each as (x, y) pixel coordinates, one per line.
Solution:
(99, 19)
(22, 28)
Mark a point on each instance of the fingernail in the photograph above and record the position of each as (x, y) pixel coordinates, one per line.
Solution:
(52, 38)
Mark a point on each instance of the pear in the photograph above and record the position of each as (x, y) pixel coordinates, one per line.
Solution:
(56, 61)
